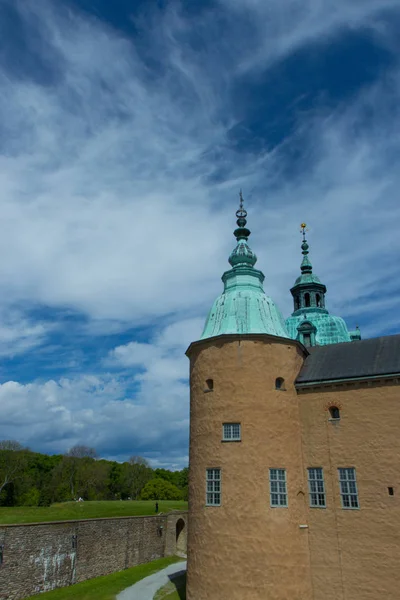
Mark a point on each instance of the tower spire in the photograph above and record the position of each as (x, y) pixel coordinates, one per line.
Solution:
(242, 255)
(306, 266)
(241, 233)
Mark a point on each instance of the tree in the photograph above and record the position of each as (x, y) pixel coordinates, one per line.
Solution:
(160, 489)
(11, 445)
(138, 474)
(12, 462)
(71, 462)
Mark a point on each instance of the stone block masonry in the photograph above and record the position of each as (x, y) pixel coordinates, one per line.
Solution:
(39, 557)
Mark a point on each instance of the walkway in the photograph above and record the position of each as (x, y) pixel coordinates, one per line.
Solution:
(147, 587)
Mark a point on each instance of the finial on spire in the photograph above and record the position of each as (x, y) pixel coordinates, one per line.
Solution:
(241, 213)
(306, 266)
(242, 255)
(242, 232)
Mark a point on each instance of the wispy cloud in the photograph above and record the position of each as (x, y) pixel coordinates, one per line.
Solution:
(119, 168)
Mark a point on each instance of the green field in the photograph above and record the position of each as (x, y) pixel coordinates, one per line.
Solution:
(107, 587)
(67, 511)
(174, 590)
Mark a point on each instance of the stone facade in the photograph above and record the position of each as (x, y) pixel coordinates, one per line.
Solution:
(44, 556)
(245, 549)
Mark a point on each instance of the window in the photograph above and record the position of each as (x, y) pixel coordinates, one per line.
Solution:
(297, 303)
(391, 491)
(209, 385)
(318, 299)
(348, 488)
(231, 432)
(307, 299)
(307, 339)
(279, 383)
(334, 412)
(213, 483)
(74, 542)
(277, 487)
(316, 487)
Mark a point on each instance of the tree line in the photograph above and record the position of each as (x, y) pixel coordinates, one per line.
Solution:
(32, 479)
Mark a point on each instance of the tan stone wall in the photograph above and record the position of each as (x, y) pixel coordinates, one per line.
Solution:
(355, 554)
(245, 549)
(41, 557)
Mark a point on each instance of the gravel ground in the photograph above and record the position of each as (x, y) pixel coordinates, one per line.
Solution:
(147, 587)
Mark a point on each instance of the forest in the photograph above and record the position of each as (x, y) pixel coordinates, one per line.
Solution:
(32, 479)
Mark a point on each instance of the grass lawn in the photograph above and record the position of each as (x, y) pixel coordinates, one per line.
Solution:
(67, 511)
(174, 590)
(107, 587)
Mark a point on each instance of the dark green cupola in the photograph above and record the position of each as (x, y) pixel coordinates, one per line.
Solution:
(310, 322)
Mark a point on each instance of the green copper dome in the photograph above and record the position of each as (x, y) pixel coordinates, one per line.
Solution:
(310, 322)
(243, 306)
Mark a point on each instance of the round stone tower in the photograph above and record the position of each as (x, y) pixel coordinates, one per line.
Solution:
(248, 536)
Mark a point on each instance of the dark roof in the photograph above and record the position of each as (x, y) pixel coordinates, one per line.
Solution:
(364, 358)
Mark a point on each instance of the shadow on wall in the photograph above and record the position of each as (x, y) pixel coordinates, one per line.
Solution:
(179, 582)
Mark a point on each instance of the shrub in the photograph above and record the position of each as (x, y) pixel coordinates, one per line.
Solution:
(160, 489)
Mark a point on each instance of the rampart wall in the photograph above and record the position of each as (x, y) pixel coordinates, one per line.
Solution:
(39, 557)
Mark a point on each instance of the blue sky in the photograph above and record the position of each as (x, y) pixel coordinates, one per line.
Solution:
(127, 129)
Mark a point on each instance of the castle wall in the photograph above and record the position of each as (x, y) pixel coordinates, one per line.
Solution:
(244, 549)
(355, 554)
(44, 556)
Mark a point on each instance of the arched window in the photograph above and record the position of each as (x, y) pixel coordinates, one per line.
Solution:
(307, 299)
(297, 302)
(209, 385)
(279, 383)
(318, 299)
(334, 412)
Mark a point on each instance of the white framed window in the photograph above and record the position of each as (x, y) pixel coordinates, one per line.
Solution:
(348, 488)
(277, 487)
(231, 432)
(316, 487)
(213, 487)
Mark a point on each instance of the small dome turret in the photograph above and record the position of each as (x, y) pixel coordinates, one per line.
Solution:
(243, 307)
(310, 322)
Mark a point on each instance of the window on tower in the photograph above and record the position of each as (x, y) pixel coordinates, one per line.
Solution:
(348, 488)
(307, 301)
(209, 385)
(280, 383)
(213, 487)
(334, 412)
(277, 487)
(318, 299)
(296, 302)
(316, 488)
(231, 432)
(307, 339)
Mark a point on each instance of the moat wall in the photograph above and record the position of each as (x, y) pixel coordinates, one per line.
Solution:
(39, 557)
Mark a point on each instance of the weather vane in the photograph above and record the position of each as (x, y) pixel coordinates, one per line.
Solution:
(241, 213)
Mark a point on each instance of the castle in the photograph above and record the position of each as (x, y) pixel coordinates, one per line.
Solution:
(294, 447)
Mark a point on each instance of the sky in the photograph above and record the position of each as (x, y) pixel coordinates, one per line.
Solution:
(127, 129)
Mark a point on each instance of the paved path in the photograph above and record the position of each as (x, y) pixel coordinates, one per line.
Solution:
(147, 587)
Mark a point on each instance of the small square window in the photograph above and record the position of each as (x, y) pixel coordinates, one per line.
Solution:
(231, 432)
